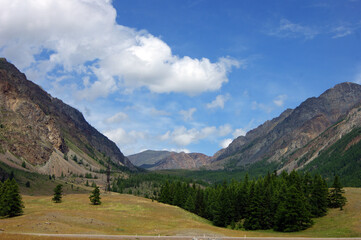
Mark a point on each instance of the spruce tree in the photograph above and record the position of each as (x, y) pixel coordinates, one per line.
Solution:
(335, 198)
(318, 197)
(95, 196)
(190, 203)
(292, 214)
(11, 204)
(58, 192)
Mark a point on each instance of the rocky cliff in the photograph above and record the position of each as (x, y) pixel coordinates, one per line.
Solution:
(277, 139)
(41, 130)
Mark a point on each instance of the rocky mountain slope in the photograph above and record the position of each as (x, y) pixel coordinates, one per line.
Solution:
(46, 135)
(290, 137)
(158, 160)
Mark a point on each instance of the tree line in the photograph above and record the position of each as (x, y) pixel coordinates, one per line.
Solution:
(286, 203)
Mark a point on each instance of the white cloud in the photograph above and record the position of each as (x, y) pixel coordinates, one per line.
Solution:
(261, 106)
(280, 100)
(188, 114)
(82, 36)
(121, 137)
(239, 132)
(225, 143)
(156, 112)
(358, 78)
(117, 118)
(287, 29)
(341, 31)
(218, 102)
(182, 136)
(224, 130)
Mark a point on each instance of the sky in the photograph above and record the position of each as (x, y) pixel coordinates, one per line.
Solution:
(182, 75)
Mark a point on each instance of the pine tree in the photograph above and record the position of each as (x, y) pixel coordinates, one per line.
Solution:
(58, 192)
(95, 196)
(10, 199)
(335, 198)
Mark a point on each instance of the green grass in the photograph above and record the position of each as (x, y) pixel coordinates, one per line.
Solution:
(122, 214)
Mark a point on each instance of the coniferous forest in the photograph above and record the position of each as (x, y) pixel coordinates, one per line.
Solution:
(286, 203)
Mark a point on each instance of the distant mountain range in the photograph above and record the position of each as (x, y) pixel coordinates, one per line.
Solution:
(159, 160)
(42, 134)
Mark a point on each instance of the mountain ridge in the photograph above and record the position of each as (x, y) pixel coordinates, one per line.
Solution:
(293, 129)
(41, 130)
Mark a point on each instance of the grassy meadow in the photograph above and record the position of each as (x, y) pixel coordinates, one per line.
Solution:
(122, 214)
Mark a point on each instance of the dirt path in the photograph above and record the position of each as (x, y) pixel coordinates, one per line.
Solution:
(136, 237)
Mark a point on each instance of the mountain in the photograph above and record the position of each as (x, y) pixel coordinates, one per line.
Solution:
(148, 157)
(159, 160)
(289, 139)
(42, 134)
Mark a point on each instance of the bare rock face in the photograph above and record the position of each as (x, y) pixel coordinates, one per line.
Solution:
(34, 125)
(275, 140)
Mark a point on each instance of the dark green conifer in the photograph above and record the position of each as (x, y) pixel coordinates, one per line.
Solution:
(95, 196)
(10, 199)
(292, 214)
(318, 197)
(58, 193)
(336, 198)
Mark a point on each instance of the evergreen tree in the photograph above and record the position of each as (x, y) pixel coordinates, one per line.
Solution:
(58, 193)
(292, 214)
(95, 196)
(10, 199)
(190, 203)
(335, 198)
(318, 197)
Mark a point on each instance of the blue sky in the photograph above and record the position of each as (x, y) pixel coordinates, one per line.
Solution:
(182, 75)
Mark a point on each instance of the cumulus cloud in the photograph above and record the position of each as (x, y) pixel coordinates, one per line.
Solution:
(182, 136)
(117, 118)
(82, 36)
(280, 100)
(225, 143)
(121, 137)
(188, 114)
(218, 102)
(239, 132)
(224, 130)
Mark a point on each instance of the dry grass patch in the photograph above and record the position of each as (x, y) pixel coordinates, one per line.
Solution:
(130, 215)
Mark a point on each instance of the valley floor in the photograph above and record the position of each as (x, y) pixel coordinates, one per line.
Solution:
(130, 215)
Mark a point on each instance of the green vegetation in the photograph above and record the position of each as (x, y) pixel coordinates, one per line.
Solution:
(95, 196)
(336, 198)
(11, 204)
(283, 203)
(342, 158)
(58, 193)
